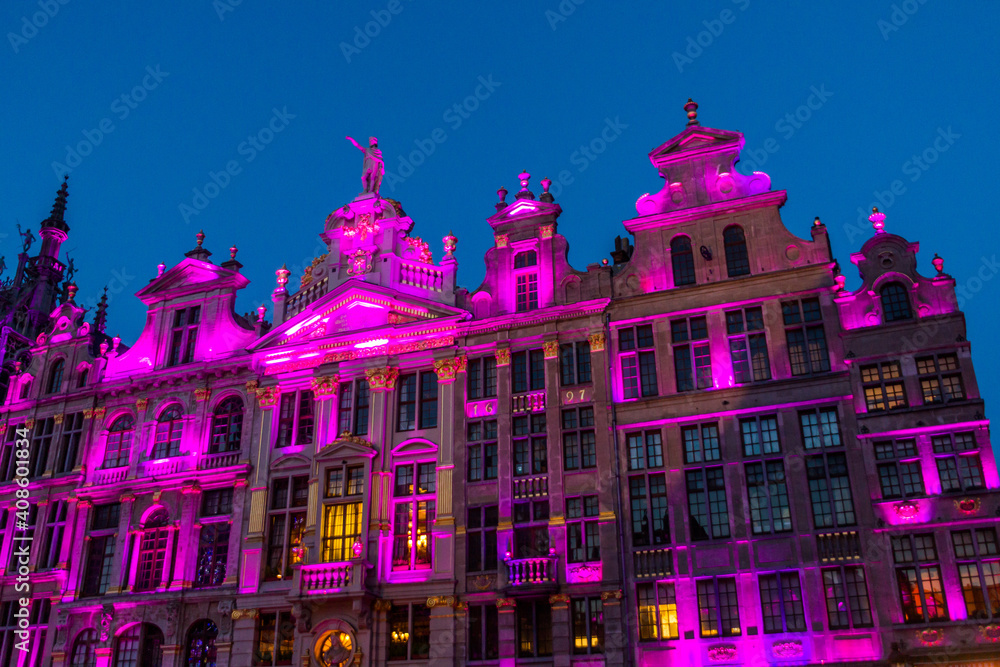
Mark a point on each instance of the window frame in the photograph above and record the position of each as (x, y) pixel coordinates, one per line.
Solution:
(737, 252)
(227, 426)
(579, 437)
(483, 532)
(883, 388)
(753, 341)
(481, 378)
(895, 463)
(483, 462)
(411, 636)
(691, 347)
(168, 432)
(787, 584)
(808, 352)
(423, 407)
(847, 597)
(417, 498)
(664, 596)
(343, 498)
(583, 531)
(828, 489)
(591, 624)
(122, 443)
(637, 362)
(708, 592)
(714, 517)
(682, 261)
(986, 582)
(942, 374)
(923, 568)
(296, 419)
(575, 364)
(891, 304)
(183, 335)
(291, 510)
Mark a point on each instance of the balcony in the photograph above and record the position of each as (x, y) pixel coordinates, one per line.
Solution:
(838, 547)
(531, 487)
(421, 276)
(167, 466)
(653, 563)
(220, 460)
(110, 475)
(532, 572)
(331, 578)
(533, 402)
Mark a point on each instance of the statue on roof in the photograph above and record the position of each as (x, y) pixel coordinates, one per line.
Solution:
(373, 167)
(70, 269)
(29, 238)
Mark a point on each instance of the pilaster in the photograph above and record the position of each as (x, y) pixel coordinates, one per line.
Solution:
(122, 551)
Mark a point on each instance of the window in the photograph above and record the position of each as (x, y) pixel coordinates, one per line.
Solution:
(760, 436)
(781, 602)
(820, 428)
(201, 651)
(342, 521)
(645, 450)
(895, 303)
(168, 433)
(638, 361)
(899, 468)
(286, 524)
(481, 539)
(81, 378)
(139, 646)
(574, 363)
(830, 490)
(707, 507)
(18, 632)
(960, 469)
(153, 544)
(767, 492)
(27, 521)
(918, 577)
(579, 441)
(530, 449)
(718, 607)
(8, 461)
(184, 335)
(692, 359)
(227, 426)
(217, 502)
(119, 444)
(55, 531)
(657, 612)
(527, 371)
(847, 604)
(701, 443)
(41, 437)
(354, 407)
(69, 443)
(880, 392)
(481, 378)
(409, 632)
(484, 632)
(583, 538)
(531, 529)
(978, 571)
(737, 261)
(588, 625)
(806, 338)
(213, 554)
(940, 378)
(413, 494)
(534, 628)
(296, 419)
(85, 649)
(526, 277)
(275, 639)
(56, 377)
(682, 261)
(648, 503)
(748, 345)
(100, 549)
(413, 403)
(483, 458)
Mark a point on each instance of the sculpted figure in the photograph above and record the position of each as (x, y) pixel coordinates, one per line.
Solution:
(373, 167)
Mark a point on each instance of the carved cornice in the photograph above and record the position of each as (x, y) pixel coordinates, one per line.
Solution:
(501, 240)
(442, 601)
(382, 379)
(559, 600)
(506, 604)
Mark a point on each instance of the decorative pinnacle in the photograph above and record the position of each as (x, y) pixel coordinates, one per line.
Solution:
(524, 176)
(232, 252)
(692, 111)
(450, 243)
(261, 309)
(200, 237)
(502, 194)
(938, 263)
(282, 275)
(546, 184)
(71, 292)
(817, 222)
(57, 216)
(160, 268)
(877, 219)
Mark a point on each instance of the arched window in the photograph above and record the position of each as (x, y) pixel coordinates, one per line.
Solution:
(683, 260)
(81, 378)
(168, 433)
(139, 646)
(227, 426)
(895, 303)
(737, 261)
(152, 551)
(25, 390)
(119, 446)
(56, 377)
(201, 644)
(85, 649)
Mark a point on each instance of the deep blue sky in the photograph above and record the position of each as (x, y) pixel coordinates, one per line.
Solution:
(890, 87)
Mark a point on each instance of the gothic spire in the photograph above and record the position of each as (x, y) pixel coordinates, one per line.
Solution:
(101, 316)
(57, 217)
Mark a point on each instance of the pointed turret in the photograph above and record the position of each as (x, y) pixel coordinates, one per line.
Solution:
(57, 219)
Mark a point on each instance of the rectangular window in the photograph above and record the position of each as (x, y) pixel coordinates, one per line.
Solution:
(760, 436)
(883, 386)
(184, 335)
(820, 428)
(354, 407)
(296, 415)
(69, 443)
(918, 577)
(579, 440)
(718, 607)
(483, 457)
(645, 450)
(19, 634)
(692, 358)
(484, 632)
(978, 571)
(583, 539)
(847, 603)
(275, 639)
(55, 531)
(638, 361)
(648, 506)
(588, 625)
(707, 506)
(748, 345)
(286, 525)
(527, 292)
(806, 338)
(481, 539)
(27, 521)
(940, 378)
(531, 529)
(341, 529)
(530, 447)
(830, 490)
(534, 628)
(781, 602)
(701, 443)
(213, 554)
(899, 468)
(216, 502)
(8, 461)
(767, 492)
(574, 363)
(41, 441)
(527, 371)
(657, 612)
(343, 481)
(958, 463)
(414, 402)
(414, 507)
(481, 378)
(100, 549)
(409, 632)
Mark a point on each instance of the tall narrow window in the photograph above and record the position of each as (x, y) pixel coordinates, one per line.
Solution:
(418, 397)
(978, 571)
(806, 338)
(354, 407)
(830, 490)
(483, 457)
(958, 463)
(527, 371)
(574, 363)
(27, 522)
(153, 543)
(296, 418)
(56, 377)
(41, 436)
(682, 261)
(637, 356)
(119, 444)
(708, 509)
(201, 650)
(767, 492)
(184, 335)
(100, 549)
(69, 443)
(781, 602)
(718, 608)
(8, 459)
(409, 632)
(85, 649)
(748, 345)
(701, 443)
(55, 531)
(484, 632)
(481, 378)
(286, 525)
(531, 529)
(588, 625)
(899, 472)
(579, 440)
(414, 502)
(895, 303)
(275, 639)
(534, 629)
(737, 260)
(648, 507)
(847, 603)
(530, 446)
(481, 539)
(583, 539)
(342, 510)
(940, 378)
(526, 278)
(213, 539)
(918, 577)
(227, 426)
(657, 611)
(692, 358)
(168, 433)
(361, 407)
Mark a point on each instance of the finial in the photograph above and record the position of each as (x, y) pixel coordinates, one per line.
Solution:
(450, 243)
(524, 192)
(104, 347)
(840, 279)
(546, 184)
(546, 196)
(816, 222)
(282, 275)
(115, 342)
(692, 111)
(71, 290)
(938, 263)
(160, 268)
(232, 252)
(502, 194)
(200, 236)
(604, 262)
(877, 219)
(261, 309)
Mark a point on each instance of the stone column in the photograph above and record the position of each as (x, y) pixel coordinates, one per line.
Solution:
(615, 641)
(244, 630)
(73, 549)
(325, 389)
(187, 541)
(122, 539)
(235, 533)
(507, 631)
(103, 657)
(443, 621)
(562, 632)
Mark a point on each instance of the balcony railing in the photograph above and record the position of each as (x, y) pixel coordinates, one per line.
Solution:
(420, 275)
(166, 466)
(110, 475)
(320, 578)
(531, 571)
(220, 460)
(651, 563)
(531, 487)
(298, 301)
(840, 546)
(533, 402)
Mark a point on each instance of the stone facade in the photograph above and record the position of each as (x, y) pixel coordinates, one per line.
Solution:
(705, 452)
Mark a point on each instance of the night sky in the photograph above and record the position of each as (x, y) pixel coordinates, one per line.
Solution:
(230, 116)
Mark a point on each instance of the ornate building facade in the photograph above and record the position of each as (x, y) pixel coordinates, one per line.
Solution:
(706, 452)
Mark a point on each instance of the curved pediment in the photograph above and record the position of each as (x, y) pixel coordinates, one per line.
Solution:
(290, 461)
(413, 447)
(347, 446)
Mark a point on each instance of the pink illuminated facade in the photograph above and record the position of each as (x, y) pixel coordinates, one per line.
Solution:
(708, 452)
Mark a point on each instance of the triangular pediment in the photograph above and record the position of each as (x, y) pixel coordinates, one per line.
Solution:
(188, 277)
(524, 208)
(695, 139)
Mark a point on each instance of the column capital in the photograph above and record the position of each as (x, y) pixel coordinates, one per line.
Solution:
(448, 369)
(503, 356)
(551, 348)
(382, 379)
(325, 387)
(268, 397)
(597, 342)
